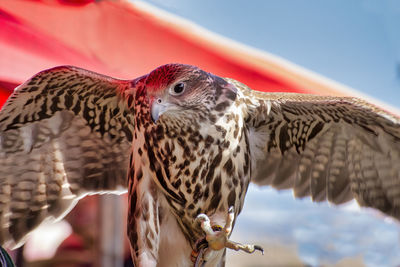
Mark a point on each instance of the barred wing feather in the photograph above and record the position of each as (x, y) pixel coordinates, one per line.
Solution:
(64, 133)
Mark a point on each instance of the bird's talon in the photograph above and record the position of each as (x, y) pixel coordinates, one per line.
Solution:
(217, 237)
(245, 247)
(256, 247)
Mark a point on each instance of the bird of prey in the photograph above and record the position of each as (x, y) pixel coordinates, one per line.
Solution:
(186, 144)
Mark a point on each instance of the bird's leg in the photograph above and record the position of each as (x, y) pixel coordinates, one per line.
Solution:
(143, 223)
(218, 238)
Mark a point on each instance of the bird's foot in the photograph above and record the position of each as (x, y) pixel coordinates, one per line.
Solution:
(217, 237)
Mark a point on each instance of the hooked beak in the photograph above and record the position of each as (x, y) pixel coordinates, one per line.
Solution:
(157, 108)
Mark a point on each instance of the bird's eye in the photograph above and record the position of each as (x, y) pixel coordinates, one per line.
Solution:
(177, 89)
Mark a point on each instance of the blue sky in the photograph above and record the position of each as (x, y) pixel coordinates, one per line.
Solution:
(356, 43)
(353, 42)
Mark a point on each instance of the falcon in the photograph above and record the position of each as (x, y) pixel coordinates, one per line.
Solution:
(185, 144)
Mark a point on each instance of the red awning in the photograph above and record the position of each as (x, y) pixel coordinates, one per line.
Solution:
(126, 40)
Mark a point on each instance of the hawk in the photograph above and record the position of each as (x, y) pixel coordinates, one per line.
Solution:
(185, 144)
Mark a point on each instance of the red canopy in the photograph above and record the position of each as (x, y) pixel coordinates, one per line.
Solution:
(126, 40)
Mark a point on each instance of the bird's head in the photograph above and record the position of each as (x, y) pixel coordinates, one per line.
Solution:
(176, 88)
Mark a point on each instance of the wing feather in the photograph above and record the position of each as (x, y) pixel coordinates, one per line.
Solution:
(64, 133)
(329, 148)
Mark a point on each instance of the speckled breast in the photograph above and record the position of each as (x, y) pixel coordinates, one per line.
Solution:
(201, 170)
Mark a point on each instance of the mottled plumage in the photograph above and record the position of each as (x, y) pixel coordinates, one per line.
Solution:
(189, 143)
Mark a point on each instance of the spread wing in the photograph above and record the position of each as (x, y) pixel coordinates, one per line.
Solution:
(64, 133)
(328, 148)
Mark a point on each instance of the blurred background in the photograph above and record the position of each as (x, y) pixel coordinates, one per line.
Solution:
(337, 47)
